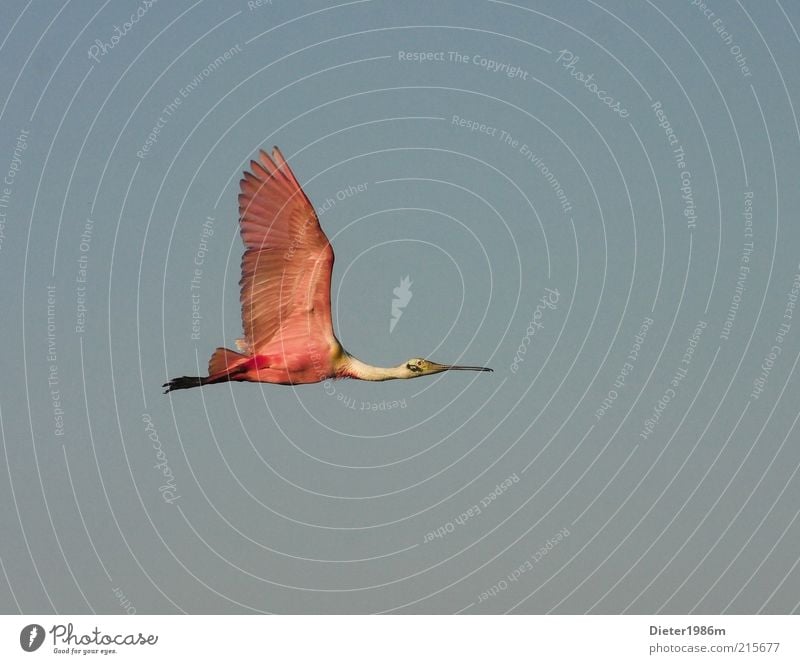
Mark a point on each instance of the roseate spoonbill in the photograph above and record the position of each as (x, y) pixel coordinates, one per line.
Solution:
(286, 294)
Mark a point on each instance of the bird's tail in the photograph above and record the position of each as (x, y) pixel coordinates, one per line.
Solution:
(224, 360)
(223, 366)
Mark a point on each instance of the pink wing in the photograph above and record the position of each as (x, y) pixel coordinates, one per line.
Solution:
(287, 263)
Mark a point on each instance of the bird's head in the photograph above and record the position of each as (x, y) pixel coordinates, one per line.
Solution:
(416, 367)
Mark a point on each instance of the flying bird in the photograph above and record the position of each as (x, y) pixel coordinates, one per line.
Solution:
(285, 294)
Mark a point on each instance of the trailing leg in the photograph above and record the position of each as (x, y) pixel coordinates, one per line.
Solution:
(185, 382)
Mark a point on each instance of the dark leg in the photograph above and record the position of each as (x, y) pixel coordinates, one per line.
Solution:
(184, 383)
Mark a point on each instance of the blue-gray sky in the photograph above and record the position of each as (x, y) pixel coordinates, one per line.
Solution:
(596, 199)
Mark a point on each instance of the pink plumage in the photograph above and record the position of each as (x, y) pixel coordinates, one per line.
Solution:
(285, 293)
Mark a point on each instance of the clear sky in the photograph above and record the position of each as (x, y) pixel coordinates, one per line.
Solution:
(596, 199)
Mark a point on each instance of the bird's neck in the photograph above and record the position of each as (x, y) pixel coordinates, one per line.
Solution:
(352, 367)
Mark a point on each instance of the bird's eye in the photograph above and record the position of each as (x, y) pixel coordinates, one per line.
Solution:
(413, 367)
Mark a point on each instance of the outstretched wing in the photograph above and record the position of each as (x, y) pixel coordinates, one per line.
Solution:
(287, 263)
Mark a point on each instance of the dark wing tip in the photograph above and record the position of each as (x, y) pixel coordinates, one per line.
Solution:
(266, 155)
